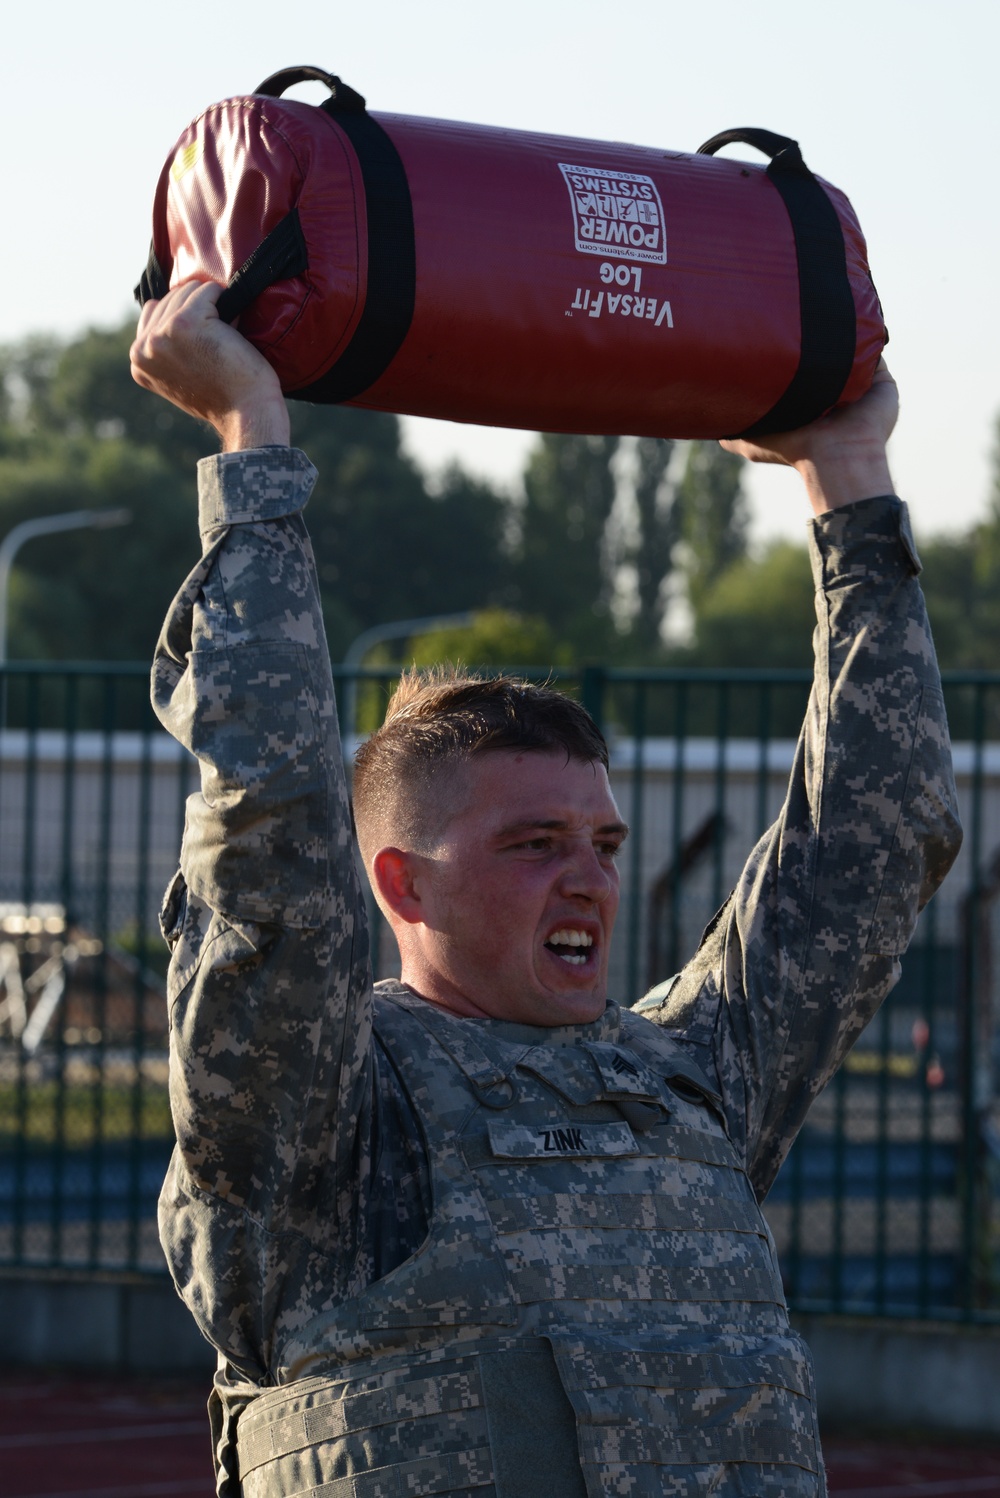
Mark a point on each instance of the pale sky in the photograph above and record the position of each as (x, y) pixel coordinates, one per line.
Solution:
(895, 101)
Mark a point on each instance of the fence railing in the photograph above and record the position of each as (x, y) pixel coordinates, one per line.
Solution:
(889, 1202)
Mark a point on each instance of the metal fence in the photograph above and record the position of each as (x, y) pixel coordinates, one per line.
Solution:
(889, 1202)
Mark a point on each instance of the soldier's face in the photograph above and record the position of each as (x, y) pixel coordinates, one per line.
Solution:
(519, 897)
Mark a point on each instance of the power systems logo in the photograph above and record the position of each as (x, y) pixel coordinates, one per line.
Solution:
(616, 214)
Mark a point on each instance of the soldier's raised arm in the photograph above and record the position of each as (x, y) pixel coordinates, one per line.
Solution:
(269, 985)
(808, 945)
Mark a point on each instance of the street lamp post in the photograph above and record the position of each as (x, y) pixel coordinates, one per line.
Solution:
(71, 520)
(396, 629)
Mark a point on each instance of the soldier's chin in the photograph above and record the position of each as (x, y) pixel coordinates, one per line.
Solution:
(580, 1008)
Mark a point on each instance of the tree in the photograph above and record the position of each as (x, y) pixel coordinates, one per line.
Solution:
(496, 637)
(79, 434)
(94, 594)
(656, 535)
(759, 612)
(559, 574)
(91, 392)
(961, 580)
(385, 547)
(714, 516)
(76, 432)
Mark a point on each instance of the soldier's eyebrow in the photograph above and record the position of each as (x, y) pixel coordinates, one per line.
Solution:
(555, 824)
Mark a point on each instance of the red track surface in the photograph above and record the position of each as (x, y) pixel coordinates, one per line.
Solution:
(77, 1437)
(911, 1469)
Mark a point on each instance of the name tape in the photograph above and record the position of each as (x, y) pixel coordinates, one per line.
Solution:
(526, 1142)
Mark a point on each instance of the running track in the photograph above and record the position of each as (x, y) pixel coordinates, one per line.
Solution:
(76, 1437)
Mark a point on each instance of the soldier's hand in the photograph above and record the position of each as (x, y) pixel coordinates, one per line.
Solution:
(184, 352)
(842, 456)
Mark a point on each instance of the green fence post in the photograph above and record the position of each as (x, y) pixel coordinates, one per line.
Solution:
(102, 926)
(677, 832)
(636, 984)
(592, 683)
(838, 1191)
(928, 997)
(883, 1125)
(969, 1169)
(136, 1151)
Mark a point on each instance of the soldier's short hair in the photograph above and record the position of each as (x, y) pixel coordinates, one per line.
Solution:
(439, 717)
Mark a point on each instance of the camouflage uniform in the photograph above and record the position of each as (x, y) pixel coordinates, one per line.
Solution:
(455, 1256)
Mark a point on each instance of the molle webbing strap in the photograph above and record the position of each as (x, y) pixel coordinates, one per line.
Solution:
(554, 1211)
(826, 301)
(681, 1284)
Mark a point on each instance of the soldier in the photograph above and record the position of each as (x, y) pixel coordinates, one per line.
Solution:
(483, 1231)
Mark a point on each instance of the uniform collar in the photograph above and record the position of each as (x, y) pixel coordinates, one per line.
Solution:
(607, 1028)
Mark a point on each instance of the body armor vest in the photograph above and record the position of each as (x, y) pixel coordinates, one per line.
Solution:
(596, 1309)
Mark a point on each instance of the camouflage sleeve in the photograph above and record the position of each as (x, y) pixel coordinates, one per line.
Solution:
(269, 983)
(808, 944)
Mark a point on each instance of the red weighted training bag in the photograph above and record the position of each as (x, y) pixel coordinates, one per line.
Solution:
(513, 279)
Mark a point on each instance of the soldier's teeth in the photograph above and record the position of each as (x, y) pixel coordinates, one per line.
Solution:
(567, 944)
(570, 938)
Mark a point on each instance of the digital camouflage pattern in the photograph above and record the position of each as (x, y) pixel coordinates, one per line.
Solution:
(316, 1153)
(588, 1208)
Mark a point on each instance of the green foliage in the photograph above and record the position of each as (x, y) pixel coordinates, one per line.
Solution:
(94, 594)
(598, 542)
(569, 489)
(759, 612)
(657, 533)
(581, 568)
(92, 391)
(50, 1113)
(961, 579)
(714, 516)
(956, 601)
(77, 433)
(385, 547)
(496, 637)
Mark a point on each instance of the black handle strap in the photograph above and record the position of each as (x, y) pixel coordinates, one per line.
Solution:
(767, 142)
(152, 283)
(392, 275)
(342, 96)
(826, 301)
(279, 256)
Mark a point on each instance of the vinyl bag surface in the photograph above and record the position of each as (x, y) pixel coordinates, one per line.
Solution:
(513, 279)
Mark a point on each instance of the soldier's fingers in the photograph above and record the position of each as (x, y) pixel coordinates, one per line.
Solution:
(752, 451)
(167, 327)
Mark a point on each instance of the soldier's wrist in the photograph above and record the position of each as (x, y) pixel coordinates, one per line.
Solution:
(263, 424)
(844, 476)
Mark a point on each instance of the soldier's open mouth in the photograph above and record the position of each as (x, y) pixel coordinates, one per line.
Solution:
(572, 946)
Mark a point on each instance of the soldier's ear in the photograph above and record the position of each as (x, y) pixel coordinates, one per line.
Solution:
(397, 878)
